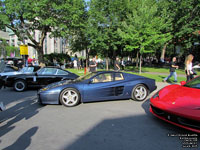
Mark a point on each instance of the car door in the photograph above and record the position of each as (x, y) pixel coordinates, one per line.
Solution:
(101, 87)
(119, 81)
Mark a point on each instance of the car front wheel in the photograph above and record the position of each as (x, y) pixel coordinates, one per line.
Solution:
(19, 85)
(139, 92)
(69, 97)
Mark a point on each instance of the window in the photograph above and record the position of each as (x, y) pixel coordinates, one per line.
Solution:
(104, 77)
(62, 72)
(47, 71)
(119, 76)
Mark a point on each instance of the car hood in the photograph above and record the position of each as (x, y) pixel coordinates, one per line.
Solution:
(57, 84)
(180, 96)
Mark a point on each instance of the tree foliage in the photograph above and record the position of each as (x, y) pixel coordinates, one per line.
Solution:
(142, 29)
(27, 16)
(6, 49)
(185, 21)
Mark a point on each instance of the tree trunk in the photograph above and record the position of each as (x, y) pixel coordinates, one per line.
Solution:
(40, 54)
(140, 64)
(87, 59)
(137, 58)
(162, 57)
(107, 63)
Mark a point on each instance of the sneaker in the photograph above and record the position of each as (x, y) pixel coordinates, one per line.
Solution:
(163, 80)
(175, 81)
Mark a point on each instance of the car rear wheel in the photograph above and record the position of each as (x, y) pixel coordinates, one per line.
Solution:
(19, 85)
(139, 92)
(69, 97)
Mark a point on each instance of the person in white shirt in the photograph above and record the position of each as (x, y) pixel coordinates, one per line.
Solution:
(188, 67)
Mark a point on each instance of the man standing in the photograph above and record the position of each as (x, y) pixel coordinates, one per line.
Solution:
(173, 68)
(117, 64)
(93, 65)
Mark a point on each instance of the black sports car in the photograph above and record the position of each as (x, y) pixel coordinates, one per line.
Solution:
(40, 78)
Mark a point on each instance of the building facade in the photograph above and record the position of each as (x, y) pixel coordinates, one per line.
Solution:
(50, 45)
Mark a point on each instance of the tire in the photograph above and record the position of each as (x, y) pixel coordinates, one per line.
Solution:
(69, 97)
(139, 92)
(20, 85)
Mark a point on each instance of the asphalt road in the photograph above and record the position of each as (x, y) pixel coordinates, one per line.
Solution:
(113, 125)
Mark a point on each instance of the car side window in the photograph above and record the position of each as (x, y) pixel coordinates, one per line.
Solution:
(62, 72)
(119, 76)
(104, 77)
(40, 72)
(47, 71)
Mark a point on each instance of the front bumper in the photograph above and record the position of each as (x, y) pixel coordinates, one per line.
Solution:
(48, 97)
(183, 122)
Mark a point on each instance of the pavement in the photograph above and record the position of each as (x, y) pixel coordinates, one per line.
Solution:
(117, 125)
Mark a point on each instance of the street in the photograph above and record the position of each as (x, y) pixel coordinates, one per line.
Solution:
(117, 125)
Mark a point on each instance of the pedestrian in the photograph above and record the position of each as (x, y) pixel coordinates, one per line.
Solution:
(75, 64)
(93, 65)
(123, 64)
(188, 67)
(117, 64)
(173, 68)
(79, 64)
(55, 63)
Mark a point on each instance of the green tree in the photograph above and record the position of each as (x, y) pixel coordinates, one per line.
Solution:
(142, 29)
(78, 38)
(104, 19)
(185, 22)
(6, 49)
(25, 17)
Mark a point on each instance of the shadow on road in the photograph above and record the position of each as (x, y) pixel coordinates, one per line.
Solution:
(18, 110)
(23, 141)
(129, 133)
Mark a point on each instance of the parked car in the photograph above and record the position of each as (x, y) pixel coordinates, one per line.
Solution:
(42, 77)
(97, 86)
(24, 70)
(179, 104)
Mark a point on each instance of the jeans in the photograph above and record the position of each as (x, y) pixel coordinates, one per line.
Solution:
(170, 75)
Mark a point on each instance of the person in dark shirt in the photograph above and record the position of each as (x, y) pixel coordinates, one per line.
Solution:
(173, 68)
(93, 65)
(117, 64)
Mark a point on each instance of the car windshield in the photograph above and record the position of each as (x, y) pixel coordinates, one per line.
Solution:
(88, 76)
(195, 83)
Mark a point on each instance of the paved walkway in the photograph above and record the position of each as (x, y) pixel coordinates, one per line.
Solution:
(165, 74)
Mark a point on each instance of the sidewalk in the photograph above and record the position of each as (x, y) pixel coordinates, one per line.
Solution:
(165, 74)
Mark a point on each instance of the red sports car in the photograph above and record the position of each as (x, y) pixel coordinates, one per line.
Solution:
(179, 104)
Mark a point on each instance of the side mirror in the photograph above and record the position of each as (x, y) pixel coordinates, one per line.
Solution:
(182, 82)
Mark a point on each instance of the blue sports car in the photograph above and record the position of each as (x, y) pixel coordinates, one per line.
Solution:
(98, 86)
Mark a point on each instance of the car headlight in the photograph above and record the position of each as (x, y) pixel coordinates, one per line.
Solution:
(44, 89)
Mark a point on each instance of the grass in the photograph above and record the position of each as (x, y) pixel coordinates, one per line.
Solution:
(154, 69)
(158, 77)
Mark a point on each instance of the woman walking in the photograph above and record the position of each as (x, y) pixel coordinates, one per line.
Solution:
(188, 67)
